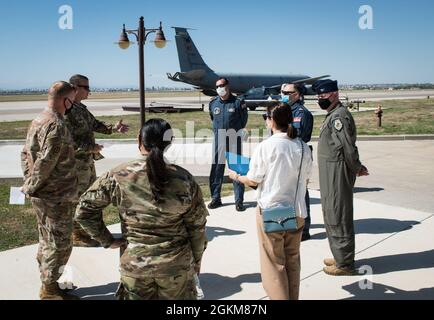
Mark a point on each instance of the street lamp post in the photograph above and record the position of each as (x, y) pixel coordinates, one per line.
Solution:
(141, 35)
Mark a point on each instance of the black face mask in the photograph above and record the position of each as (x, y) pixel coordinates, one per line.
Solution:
(324, 103)
(68, 110)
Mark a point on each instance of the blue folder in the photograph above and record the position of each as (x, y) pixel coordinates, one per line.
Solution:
(238, 163)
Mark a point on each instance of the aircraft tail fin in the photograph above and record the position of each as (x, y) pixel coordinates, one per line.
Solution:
(189, 57)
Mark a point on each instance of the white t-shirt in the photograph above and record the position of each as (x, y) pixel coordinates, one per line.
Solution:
(274, 166)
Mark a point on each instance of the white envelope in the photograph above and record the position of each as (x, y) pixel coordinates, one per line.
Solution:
(17, 197)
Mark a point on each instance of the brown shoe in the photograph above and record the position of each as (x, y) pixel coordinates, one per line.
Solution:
(80, 240)
(329, 262)
(53, 292)
(335, 271)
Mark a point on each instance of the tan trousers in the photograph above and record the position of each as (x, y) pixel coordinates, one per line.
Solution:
(280, 261)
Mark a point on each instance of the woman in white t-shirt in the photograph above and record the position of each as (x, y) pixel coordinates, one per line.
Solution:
(274, 170)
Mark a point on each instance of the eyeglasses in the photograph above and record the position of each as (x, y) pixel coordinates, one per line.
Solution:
(288, 93)
(220, 85)
(266, 116)
(87, 88)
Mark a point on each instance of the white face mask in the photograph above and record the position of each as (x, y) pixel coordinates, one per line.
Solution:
(221, 91)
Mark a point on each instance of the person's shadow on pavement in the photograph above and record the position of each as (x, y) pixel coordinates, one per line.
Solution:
(361, 189)
(103, 292)
(213, 285)
(399, 262)
(372, 226)
(247, 205)
(213, 232)
(362, 290)
(216, 287)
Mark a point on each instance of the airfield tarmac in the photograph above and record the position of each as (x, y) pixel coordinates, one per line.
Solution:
(394, 219)
(27, 110)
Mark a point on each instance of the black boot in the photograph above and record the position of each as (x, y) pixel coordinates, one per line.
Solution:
(214, 204)
(240, 207)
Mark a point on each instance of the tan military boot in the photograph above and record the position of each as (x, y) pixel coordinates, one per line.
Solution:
(335, 271)
(52, 292)
(329, 262)
(80, 239)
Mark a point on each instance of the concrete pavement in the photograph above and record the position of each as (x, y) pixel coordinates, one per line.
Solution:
(396, 243)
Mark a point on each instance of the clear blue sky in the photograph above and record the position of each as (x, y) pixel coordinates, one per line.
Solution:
(278, 36)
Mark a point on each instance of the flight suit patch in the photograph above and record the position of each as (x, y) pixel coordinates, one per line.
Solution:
(217, 111)
(297, 119)
(231, 110)
(338, 125)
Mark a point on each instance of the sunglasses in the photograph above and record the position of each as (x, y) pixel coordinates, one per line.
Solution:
(87, 88)
(287, 93)
(266, 116)
(220, 86)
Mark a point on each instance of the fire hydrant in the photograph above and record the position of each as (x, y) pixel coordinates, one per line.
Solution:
(379, 114)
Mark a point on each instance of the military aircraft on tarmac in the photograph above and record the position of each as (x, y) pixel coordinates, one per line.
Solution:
(195, 71)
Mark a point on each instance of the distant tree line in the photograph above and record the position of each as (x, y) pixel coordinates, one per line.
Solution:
(409, 86)
(171, 89)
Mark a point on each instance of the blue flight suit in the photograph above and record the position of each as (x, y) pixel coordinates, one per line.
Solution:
(303, 123)
(226, 115)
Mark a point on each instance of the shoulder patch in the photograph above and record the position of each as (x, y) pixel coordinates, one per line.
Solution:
(338, 124)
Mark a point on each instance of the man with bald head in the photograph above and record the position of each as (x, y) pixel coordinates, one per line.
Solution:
(50, 180)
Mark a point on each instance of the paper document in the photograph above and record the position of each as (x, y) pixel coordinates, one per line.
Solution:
(17, 197)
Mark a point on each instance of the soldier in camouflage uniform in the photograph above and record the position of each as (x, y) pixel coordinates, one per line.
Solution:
(50, 179)
(82, 125)
(163, 219)
(339, 165)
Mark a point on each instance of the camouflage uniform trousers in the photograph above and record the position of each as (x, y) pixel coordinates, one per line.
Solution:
(86, 177)
(177, 287)
(55, 241)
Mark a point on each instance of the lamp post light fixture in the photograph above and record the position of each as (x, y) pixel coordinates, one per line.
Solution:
(141, 35)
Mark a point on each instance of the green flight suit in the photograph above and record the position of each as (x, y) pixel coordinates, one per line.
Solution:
(338, 161)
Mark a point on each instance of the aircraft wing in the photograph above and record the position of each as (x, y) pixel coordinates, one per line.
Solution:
(310, 80)
(305, 81)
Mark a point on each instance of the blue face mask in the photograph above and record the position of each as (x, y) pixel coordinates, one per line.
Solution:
(285, 99)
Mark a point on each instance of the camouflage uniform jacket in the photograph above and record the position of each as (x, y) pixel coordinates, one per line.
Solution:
(163, 238)
(82, 125)
(48, 161)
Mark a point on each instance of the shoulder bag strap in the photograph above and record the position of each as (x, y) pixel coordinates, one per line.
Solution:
(299, 172)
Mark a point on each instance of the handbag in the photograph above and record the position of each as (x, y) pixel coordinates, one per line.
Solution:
(282, 218)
